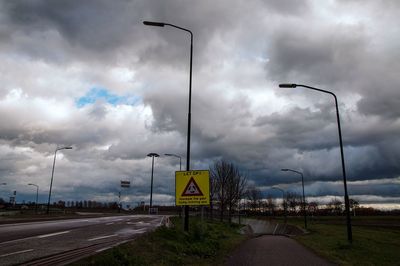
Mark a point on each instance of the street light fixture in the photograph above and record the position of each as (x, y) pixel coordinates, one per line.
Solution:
(283, 202)
(152, 171)
(162, 24)
(304, 198)
(152, 23)
(177, 156)
(37, 195)
(346, 196)
(52, 173)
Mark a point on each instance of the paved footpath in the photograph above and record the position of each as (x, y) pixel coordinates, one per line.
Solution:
(274, 250)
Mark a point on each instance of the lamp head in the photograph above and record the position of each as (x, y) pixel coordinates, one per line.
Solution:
(153, 154)
(64, 148)
(284, 169)
(153, 23)
(287, 85)
(173, 155)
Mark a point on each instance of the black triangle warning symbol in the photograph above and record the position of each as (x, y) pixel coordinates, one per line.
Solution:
(192, 189)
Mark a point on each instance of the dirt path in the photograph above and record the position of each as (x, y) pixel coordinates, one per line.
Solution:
(274, 250)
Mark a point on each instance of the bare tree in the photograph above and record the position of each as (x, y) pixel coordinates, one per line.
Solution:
(235, 190)
(213, 194)
(335, 206)
(354, 204)
(312, 208)
(271, 204)
(254, 195)
(293, 200)
(228, 186)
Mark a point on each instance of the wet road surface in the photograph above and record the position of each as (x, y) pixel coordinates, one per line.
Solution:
(27, 241)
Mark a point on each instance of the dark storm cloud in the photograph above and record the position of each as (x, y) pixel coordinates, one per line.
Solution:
(333, 58)
(168, 115)
(384, 104)
(343, 58)
(104, 29)
(286, 6)
(368, 156)
(100, 28)
(86, 23)
(348, 59)
(377, 159)
(388, 187)
(302, 128)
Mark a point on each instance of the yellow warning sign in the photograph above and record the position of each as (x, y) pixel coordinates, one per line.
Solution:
(192, 187)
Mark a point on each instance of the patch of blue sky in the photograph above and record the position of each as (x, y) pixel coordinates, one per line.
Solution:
(95, 94)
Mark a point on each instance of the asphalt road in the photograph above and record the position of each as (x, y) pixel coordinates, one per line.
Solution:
(274, 250)
(24, 242)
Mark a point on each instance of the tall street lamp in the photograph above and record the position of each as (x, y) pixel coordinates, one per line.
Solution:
(162, 24)
(52, 173)
(37, 195)
(346, 196)
(283, 202)
(152, 171)
(304, 198)
(177, 156)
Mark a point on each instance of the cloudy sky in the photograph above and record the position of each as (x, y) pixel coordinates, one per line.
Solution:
(89, 74)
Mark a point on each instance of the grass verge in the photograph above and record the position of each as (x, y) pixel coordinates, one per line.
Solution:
(371, 245)
(205, 244)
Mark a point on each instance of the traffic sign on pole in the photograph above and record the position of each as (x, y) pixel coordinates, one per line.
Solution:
(192, 188)
(125, 183)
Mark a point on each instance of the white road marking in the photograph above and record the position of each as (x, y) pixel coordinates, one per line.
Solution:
(110, 223)
(101, 237)
(275, 229)
(142, 230)
(102, 249)
(143, 223)
(114, 245)
(53, 234)
(14, 253)
(30, 237)
(16, 240)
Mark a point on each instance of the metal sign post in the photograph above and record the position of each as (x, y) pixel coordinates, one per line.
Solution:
(124, 184)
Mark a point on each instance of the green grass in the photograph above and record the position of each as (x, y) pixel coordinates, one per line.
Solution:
(205, 244)
(371, 245)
